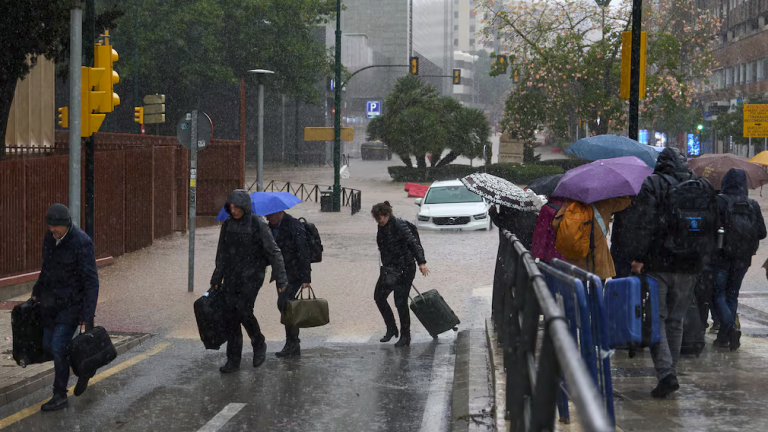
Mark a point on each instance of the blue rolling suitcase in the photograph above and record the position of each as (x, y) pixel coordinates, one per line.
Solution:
(632, 312)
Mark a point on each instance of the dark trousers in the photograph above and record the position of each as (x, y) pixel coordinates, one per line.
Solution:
(728, 277)
(55, 341)
(381, 293)
(283, 298)
(240, 312)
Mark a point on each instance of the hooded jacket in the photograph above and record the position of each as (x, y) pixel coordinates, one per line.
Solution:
(293, 242)
(398, 247)
(245, 247)
(68, 285)
(734, 185)
(647, 214)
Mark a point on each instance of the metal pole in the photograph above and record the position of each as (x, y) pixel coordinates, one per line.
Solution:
(282, 117)
(296, 138)
(137, 127)
(192, 200)
(90, 143)
(75, 92)
(634, 77)
(260, 149)
(337, 117)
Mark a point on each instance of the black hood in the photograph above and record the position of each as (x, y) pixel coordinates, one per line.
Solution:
(671, 160)
(735, 182)
(240, 198)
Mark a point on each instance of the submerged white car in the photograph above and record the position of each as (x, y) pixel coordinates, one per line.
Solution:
(450, 206)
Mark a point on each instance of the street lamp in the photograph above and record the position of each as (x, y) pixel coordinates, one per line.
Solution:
(260, 142)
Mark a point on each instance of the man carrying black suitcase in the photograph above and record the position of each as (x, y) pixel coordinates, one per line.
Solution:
(68, 290)
(245, 246)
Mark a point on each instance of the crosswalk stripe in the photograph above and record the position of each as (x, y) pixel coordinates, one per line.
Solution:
(222, 417)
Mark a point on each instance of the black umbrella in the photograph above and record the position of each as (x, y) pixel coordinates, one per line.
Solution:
(545, 185)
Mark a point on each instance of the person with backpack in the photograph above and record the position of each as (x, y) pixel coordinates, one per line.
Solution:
(245, 247)
(744, 227)
(400, 251)
(582, 234)
(674, 224)
(291, 238)
(621, 237)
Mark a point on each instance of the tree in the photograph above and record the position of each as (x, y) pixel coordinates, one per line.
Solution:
(31, 29)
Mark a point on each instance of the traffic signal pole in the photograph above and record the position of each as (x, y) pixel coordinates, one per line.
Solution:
(337, 117)
(90, 142)
(75, 91)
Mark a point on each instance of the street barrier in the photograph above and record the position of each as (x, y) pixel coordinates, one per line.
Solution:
(520, 297)
(351, 198)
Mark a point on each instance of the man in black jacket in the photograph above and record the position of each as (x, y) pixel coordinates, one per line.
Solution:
(675, 272)
(245, 246)
(68, 290)
(291, 238)
(730, 265)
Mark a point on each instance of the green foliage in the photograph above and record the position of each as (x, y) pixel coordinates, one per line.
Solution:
(516, 173)
(565, 164)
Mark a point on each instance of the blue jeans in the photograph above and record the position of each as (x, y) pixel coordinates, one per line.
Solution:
(728, 278)
(55, 341)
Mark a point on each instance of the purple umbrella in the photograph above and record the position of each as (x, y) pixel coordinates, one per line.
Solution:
(603, 179)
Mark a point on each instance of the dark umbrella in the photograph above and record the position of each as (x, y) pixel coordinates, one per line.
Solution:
(612, 146)
(713, 167)
(545, 185)
(603, 179)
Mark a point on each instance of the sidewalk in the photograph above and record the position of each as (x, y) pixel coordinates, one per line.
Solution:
(17, 382)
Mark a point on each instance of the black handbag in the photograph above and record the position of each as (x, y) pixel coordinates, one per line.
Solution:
(390, 276)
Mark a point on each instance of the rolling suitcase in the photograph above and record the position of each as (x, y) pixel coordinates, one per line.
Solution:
(433, 312)
(632, 312)
(210, 315)
(91, 350)
(693, 330)
(27, 331)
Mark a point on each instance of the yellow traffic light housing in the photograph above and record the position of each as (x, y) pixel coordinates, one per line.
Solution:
(502, 64)
(456, 76)
(104, 57)
(90, 101)
(63, 117)
(138, 115)
(414, 65)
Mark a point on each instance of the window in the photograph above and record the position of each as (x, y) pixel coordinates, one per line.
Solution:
(728, 77)
(761, 69)
(456, 28)
(455, 42)
(472, 42)
(456, 15)
(472, 29)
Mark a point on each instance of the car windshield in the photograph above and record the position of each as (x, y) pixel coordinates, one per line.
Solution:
(451, 195)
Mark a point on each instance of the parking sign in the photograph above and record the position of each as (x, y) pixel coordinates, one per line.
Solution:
(372, 109)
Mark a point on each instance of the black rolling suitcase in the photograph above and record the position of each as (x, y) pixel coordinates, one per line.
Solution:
(210, 312)
(433, 312)
(91, 350)
(27, 331)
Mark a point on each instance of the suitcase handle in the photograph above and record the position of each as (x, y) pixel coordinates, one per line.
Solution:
(300, 294)
(417, 292)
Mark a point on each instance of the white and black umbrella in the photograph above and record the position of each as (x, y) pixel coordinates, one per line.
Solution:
(503, 192)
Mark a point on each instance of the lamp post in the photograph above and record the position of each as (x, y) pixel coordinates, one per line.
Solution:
(337, 117)
(260, 142)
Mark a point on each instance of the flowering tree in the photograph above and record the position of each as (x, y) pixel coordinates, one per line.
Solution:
(566, 58)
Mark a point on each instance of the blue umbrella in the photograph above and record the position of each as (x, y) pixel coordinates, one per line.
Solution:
(264, 203)
(612, 146)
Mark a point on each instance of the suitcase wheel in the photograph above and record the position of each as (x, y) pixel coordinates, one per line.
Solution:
(455, 329)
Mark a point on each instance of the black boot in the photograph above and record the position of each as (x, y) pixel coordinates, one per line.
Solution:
(666, 386)
(57, 402)
(259, 354)
(734, 339)
(404, 340)
(390, 334)
(229, 367)
(82, 385)
(292, 348)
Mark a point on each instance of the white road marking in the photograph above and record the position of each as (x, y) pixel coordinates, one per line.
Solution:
(435, 418)
(222, 417)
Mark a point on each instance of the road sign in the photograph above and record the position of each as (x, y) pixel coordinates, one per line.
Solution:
(756, 120)
(372, 109)
(154, 109)
(153, 118)
(154, 99)
(327, 134)
(204, 130)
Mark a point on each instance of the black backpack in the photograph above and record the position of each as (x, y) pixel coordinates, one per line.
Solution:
(414, 231)
(315, 244)
(690, 217)
(740, 226)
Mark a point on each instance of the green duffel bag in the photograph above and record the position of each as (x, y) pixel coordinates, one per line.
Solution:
(306, 312)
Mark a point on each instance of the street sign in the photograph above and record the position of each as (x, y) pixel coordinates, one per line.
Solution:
(154, 118)
(327, 134)
(154, 109)
(204, 130)
(756, 120)
(372, 109)
(154, 99)
(706, 114)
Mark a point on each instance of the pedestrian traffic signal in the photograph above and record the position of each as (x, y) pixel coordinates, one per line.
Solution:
(502, 59)
(138, 115)
(456, 76)
(89, 101)
(64, 117)
(104, 57)
(700, 127)
(414, 65)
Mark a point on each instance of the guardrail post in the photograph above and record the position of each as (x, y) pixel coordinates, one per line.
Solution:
(547, 385)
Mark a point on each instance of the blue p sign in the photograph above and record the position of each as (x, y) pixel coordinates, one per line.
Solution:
(372, 109)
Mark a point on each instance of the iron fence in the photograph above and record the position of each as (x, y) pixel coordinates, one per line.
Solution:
(351, 198)
(520, 297)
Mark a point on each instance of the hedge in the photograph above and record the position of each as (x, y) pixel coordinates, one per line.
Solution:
(566, 164)
(516, 173)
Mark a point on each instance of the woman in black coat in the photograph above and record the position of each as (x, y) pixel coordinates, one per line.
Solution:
(400, 252)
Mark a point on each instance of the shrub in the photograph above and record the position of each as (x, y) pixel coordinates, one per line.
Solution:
(565, 164)
(516, 173)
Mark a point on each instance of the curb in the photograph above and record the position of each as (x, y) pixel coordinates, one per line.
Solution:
(498, 377)
(472, 401)
(40, 376)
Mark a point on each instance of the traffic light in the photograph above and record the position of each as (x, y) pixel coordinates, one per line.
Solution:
(104, 57)
(414, 65)
(456, 76)
(700, 127)
(64, 117)
(138, 115)
(502, 64)
(89, 101)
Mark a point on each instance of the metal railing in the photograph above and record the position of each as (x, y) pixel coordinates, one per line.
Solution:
(520, 297)
(351, 198)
